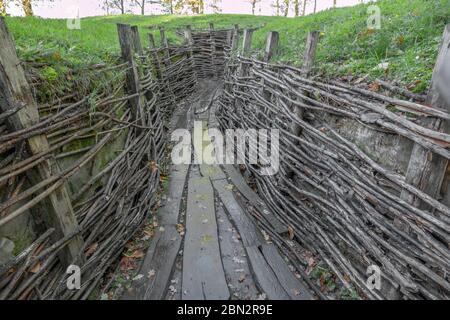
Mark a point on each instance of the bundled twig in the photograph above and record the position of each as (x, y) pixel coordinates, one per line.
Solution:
(340, 203)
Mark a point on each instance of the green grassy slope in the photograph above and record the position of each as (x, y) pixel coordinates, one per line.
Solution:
(408, 39)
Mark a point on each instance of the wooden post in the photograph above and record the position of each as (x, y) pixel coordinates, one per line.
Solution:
(213, 49)
(164, 44)
(14, 91)
(190, 42)
(271, 49)
(132, 83)
(247, 44)
(271, 45)
(246, 48)
(151, 41)
(308, 62)
(137, 41)
(235, 41)
(426, 170)
(156, 62)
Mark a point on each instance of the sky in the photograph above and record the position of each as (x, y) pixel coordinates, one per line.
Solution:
(70, 8)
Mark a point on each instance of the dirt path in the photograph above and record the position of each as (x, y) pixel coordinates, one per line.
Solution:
(207, 246)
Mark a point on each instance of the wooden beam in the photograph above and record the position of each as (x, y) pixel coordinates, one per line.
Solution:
(426, 170)
(246, 49)
(235, 41)
(164, 44)
(15, 91)
(151, 41)
(247, 42)
(308, 62)
(213, 49)
(271, 45)
(270, 51)
(132, 78)
(137, 41)
(190, 42)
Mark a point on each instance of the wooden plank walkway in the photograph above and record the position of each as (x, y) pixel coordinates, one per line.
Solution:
(203, 274)
(222, 258)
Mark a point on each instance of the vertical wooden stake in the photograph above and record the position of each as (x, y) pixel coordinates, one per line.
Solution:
(137, 41)
(151, 41)
(235, 41)
(156, 61)
(14, 91)
(270, 51)
(213, 49)
(271, 45)
(132, 83)
(164, 44)
(247, 44)
(246, 48)
(190, 42)
(426, 170)
(308, 62)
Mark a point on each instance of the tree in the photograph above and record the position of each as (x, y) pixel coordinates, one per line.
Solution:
(115, 4)
(276, 6)
(196, 6)
(254, 3)
(297, 7)
(2, 7)
(286, 7)
(304, 7)
(214, 5)
(334, 3)
(169, 5)
(315, 6)
(142, 4)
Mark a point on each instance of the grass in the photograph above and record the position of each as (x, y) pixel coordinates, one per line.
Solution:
(408, 40)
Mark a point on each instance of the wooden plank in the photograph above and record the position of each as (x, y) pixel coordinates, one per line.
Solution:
(265, 276)
(295, 289)
(169, 213)
(203, 274)
(426, 170)
(157, 267)
(15, 91)
(253, 198)
(249, 234)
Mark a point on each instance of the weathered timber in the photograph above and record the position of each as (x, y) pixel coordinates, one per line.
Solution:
(127, 41)
(271, 45)
(235, 40)
(308, 62)
(15, 91)
(203, 274)
(426, 169)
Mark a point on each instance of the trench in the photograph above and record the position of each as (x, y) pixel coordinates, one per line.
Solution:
(339, 201)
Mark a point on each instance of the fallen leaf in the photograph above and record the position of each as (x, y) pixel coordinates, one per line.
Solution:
(374, 87)
(36, 268)
(151, 274)
(136, 254)
(291, 233)
(91, 249)
(138, 277)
